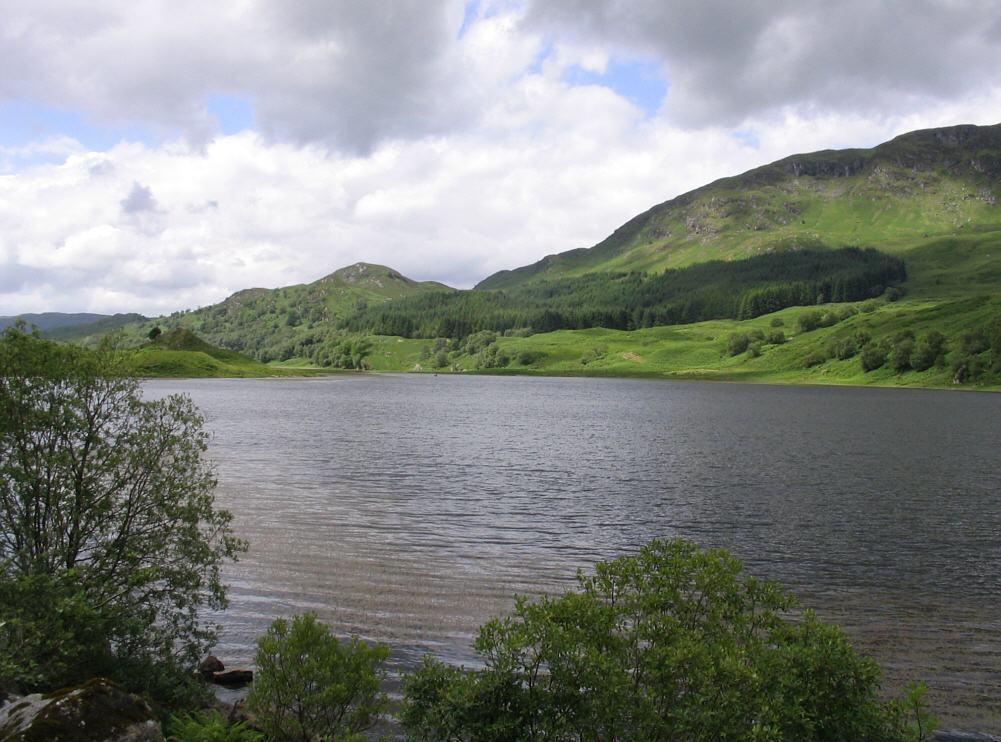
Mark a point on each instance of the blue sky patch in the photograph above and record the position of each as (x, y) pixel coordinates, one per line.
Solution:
(22, 123)
(547, 51)
(470, 14)
(747, 137)
(235, 113)
(639, 81)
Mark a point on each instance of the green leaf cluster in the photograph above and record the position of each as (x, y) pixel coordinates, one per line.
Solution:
(672, 643)
(110, 541)
(309, 685)
(209, 726)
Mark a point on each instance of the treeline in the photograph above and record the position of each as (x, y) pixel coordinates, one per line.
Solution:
(625, 301)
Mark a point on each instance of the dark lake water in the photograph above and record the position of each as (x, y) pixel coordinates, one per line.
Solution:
(409, 508)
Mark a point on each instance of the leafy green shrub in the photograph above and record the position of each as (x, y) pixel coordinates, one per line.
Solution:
(519, 332)
(992, 334)
(672, 643)
(974, 342)
(478, 341)
(528, 357)
(841, 348)
(777, 322)
(967, 368)
(929, 351)
(594, 354)
(814, 359)
(847, 312)
(756, 335)
(900, 356)
(308, 684)
(776, 337)
(209, 726)
(754, 350)
(829, 319)
(50, 634)
(872, 358)
(809, 321)
(491, 357)
(737, 343)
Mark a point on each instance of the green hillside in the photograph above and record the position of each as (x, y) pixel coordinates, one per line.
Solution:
(181, 353)
(296, 325)
(878, 266)
(924, 185)
(95, 328)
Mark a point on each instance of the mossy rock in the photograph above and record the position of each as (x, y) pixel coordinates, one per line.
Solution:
(96, 710)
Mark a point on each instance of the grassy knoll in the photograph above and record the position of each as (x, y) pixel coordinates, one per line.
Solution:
(180, 353)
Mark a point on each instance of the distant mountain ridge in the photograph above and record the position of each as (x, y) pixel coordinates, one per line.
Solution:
(47, 321)
(925, 183)
(914, 224)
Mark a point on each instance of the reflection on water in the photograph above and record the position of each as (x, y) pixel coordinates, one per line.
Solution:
(409, 509)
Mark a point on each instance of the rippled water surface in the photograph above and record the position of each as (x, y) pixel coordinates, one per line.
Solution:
(409, 509)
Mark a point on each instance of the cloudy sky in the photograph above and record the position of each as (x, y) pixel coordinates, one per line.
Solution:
(158, 155)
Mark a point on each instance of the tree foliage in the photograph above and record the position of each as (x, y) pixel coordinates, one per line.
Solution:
(309, 685)
(110, 541)
(713, 290)
(675, 643)
(210, 726)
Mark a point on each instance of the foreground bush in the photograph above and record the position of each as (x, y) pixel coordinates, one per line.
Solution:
(675, 643)
(309, 685)
(210, 726)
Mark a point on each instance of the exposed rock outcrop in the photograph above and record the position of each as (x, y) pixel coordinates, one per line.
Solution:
(96, 711)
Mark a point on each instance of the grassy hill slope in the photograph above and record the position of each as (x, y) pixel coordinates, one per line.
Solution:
(924, 185)
(181, 353)
(94, 329)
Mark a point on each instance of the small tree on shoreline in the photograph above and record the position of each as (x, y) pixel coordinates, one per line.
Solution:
(672, 643)
(309, 685)
(110, 541)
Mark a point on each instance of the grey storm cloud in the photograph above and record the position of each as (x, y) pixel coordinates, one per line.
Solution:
(140, 199)
(726, 61)
(347, 74)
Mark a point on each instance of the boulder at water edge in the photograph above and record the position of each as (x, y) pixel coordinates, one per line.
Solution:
(96, 711)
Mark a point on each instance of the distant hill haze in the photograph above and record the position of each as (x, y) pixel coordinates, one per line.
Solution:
(918, 185)
(52, 320)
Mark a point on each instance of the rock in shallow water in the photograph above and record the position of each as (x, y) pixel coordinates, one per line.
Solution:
(236, 677)
(210, 665)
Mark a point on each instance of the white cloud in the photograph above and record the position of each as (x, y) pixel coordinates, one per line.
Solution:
(731, 61)
(385, 137)
(347, 74)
